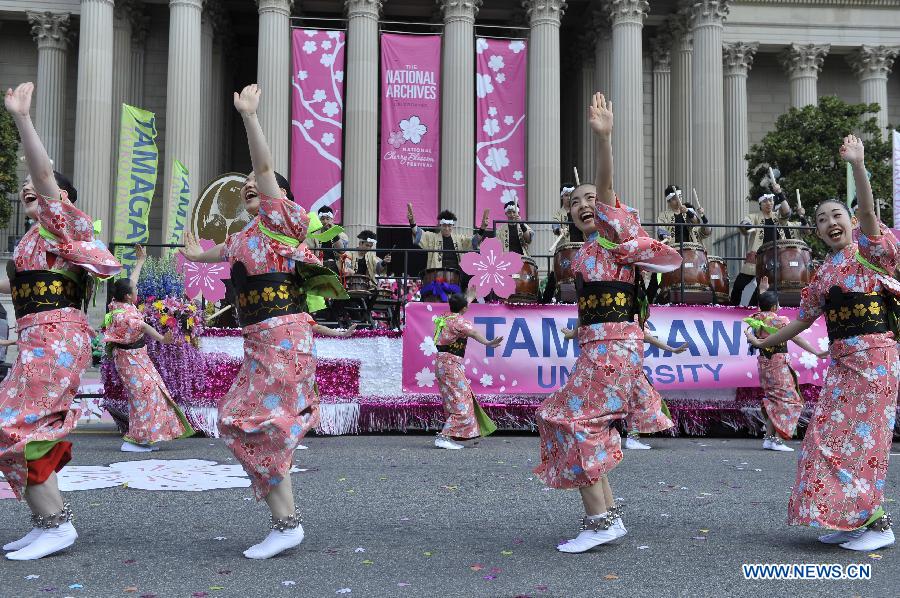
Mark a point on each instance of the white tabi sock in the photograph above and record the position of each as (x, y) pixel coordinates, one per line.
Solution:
(24, 540)
(51, 540)
(592, 534)
(275, 543)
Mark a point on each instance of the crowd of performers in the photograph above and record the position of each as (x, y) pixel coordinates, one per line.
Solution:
(280, 281)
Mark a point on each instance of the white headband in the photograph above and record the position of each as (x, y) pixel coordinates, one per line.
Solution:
(370, 240)
(673, 194)
(447, 221)
(514, 208)
(766, 196)
(566, 190)
(328, 213)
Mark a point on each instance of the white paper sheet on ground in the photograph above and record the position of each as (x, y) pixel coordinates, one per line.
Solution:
(191, 475)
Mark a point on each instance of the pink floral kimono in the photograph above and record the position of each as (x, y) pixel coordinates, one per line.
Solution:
(645, 413)
(152, 414)
(782, 401)
(36, 411)
(578, 445)
(456, 393)
(274, 402)
(844, 460)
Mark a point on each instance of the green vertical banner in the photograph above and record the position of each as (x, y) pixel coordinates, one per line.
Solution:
(135, 182)
(178, 204)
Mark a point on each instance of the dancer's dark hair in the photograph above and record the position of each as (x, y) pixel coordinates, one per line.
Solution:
(458, 302)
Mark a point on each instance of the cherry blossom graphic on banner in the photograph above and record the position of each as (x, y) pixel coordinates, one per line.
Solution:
(492, 269)
(317, 115)
(501, 79)
(410, 128)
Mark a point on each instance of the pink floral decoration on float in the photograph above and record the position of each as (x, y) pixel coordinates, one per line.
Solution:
(492, 269)
(204, 279)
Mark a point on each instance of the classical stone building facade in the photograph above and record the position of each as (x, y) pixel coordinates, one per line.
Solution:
(694, 83)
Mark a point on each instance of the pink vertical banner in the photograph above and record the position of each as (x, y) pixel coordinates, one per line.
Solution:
(317, 117)
(410, 128)
(501, 80)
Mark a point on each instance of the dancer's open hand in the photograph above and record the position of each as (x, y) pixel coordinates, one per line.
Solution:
(247, 101)
(18, 100)
(852, 150)
(168, 339)
(763, 285)
(495, 342)
(751, 338)
(191, 249)
(600, 115)
(349, 332)
(140, 254)
(680, 349)
(568, 333)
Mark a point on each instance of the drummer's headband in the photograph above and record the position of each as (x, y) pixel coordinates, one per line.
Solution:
(673, 194)
(766, 196)
(326, 214)
(511, 207)
(566, 190)
(369, 240)
(447, 221)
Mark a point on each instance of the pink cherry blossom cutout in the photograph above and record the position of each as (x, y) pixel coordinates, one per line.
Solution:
(492, 269)
(204, 279)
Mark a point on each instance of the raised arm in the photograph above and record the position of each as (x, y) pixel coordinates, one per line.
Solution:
(140, 257)
(18, 103)
(193, 252)
(150, 331)
(247, 102)
(853, 152)
(416, 231)
(650, 339)
(807, 346)
(600, 117)
(495, 342)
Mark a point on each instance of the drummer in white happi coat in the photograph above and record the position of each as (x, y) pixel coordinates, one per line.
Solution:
(515, 236)
(676, 219)
(447, 240)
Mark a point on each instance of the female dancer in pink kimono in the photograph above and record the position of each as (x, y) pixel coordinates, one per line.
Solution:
(844, 459)
(274, 401)
(459, 402)
(49, 283)
(782, 402)
(578, 443)
(152, 414)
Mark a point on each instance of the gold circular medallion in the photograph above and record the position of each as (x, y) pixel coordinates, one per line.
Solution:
(220, 210)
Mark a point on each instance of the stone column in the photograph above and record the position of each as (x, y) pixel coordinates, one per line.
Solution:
(360, 189)
(803, 62)
(586, 159)
(458, 111)
(681, 133)
(737, 60)
(627, 94)
(273, 73)
(93, 109)
(662, 75)
(872, 65)
(51, 32)
(220, 106)
(543, 115)
(140, 27)
(182, 140)
(707, 113)
(121, 83)
(208, 151)
(602, 53)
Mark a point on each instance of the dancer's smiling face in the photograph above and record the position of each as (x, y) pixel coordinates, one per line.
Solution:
(250, 194)
(583, 208)
(28, 197)
(834, 224)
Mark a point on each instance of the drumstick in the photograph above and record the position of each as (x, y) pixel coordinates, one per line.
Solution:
(696, 199)
(577, 180)
(219, 313)
(798, 198)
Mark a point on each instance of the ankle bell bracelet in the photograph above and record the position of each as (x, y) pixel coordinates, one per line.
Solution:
(597, 523)
(53, 520)
(286, 523)
(882, 524)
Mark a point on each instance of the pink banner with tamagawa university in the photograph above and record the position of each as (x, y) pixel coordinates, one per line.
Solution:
(535, 358)
(500, 89)
(317, 118)
(410, 128)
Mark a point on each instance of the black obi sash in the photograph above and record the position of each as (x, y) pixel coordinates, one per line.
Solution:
(264, 296)
(34, 291)
(770, 352)
(854, 314)
(457, 347)
(138, 344)
(604, 301)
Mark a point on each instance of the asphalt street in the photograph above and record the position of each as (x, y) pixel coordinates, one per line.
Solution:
(393, 516)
